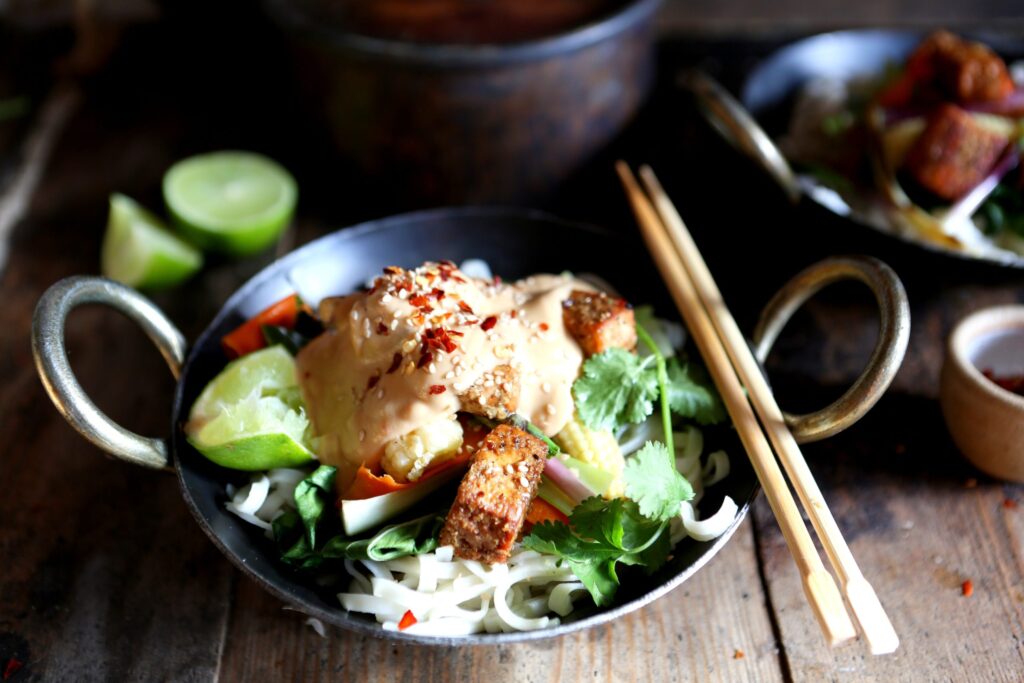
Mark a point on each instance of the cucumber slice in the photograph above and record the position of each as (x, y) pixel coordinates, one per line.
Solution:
(238, 203)
(139, 251)
(250, 417)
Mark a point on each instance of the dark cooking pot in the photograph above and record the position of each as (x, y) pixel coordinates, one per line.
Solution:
(471, 123)
(516, 244)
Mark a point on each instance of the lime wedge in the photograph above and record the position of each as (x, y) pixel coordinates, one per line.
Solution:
(139, 251)
(234, 202)
(250, 417)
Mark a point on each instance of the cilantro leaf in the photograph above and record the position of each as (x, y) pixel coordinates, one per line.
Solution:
(691, 394)
(654, 483)
(592, 562)
(312, 495)
(615, 389)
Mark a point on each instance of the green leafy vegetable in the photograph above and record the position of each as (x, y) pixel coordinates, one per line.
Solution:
(616, 388)
(600, 534)
(298, 531)
(312, 495)
(653, 481)
(691, 394)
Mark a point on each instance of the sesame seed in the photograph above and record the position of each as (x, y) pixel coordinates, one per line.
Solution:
(394, 324)
(448, 375)
(524, 482)
(385, 298)
(521, 466)
(550, 409)
(362, 435)
(380, 393)
(431, 368)
(366, 332)
(409, 345)
(355, 314)
(546, 387)
(508, 468)
(403, 294)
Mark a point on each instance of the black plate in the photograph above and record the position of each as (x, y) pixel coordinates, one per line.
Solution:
(516, 244)
(771, 88)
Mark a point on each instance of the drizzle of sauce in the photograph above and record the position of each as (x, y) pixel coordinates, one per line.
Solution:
(399, 356)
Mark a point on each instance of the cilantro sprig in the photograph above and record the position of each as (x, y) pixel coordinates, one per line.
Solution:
(632, 531)
(618, 388)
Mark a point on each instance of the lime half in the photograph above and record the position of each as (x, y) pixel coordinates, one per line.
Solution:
(250, 417)
(233, 202)
(140, 252)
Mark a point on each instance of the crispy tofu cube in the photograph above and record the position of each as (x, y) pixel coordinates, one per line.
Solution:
(495, 394)
(599, 322)
(965, 70)
(954, 153)
(490, 506)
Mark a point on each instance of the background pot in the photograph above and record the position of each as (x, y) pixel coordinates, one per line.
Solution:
(444, 123)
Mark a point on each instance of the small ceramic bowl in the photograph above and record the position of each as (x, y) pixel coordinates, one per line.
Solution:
(986, 420)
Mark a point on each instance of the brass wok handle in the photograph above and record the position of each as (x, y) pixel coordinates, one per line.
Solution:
(732, 120)
(51, 357)
(893, 336)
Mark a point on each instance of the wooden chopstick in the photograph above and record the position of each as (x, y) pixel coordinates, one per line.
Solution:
(864, 603)
(819, 586)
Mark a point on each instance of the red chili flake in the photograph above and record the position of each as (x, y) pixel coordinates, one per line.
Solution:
(12, 667)
(464, 307)
(514, 314)
(383, 329)
(395, 362)
(425, 359)
(437, 293)
(967, 588)
(372, 382)
(1009, 504)
(419, 300)
(489, 322)
(448, 264)
(738, 654)
(544, 327)
(392, 270)
(408, 619)
(456, 333)
(436, 389)
(497, 279)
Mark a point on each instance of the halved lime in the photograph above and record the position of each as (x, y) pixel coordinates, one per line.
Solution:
(139, 251)
(234, 202)
(250, 417)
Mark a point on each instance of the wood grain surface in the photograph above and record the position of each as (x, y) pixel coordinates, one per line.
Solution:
(104, 576)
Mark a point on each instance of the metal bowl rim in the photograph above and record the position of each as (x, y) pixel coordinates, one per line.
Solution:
(630, 14)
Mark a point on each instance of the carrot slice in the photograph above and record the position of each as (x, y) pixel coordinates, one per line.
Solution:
(248, 336)
(366, 484)
(542, 511)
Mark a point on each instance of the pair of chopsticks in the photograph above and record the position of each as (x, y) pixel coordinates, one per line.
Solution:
(738, 378)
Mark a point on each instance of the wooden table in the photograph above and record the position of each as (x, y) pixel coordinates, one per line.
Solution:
(105, 576)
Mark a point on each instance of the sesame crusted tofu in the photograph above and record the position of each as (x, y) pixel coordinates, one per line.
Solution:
(495, 394)
(490, 506)
(599, 322)
(954, 153)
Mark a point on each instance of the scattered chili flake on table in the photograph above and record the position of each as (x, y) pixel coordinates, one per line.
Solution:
(1009, 504)
(738, 654)
(408, 619)
(967, 588)
(1012, 383)
(12, 667)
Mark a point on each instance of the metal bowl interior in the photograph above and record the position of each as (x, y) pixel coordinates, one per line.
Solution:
(515, 243)
(772, 86)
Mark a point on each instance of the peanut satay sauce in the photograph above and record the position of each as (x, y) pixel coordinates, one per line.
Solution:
(398, 356)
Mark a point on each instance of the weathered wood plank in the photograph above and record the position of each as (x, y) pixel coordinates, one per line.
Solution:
(691, 634)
